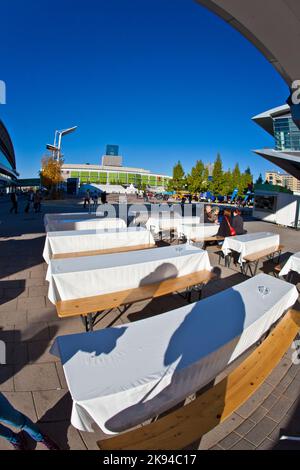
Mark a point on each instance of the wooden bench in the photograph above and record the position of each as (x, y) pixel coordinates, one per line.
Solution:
(214, 239)
(109, 251)
(256, 257)
(99, 303)
(188, 424)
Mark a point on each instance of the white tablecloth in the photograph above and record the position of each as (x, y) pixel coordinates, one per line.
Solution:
(250, 243)
(169, 221)
(119, 377)
(293, 264)
(75, 278)
(89, 240)
(198, 231)
(68, 215)
(84, 224)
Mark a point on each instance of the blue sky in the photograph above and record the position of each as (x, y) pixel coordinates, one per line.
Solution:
(164, 79)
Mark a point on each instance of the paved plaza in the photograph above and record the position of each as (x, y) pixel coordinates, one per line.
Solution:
(33, 379)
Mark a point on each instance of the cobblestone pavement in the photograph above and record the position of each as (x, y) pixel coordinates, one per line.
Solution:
(34, 382)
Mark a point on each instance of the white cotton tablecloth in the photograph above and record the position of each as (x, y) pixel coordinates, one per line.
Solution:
(76, 278)
(250, 243)
(198, 231)
(169, 221)
(90, 240)
(119, 377)
(68, 215)
(293, 264)
(84, 224)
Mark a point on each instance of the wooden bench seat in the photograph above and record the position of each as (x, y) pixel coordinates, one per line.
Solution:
(188, 424)
(86, 306)
(121, 249)
(216, 238)
(256, 257)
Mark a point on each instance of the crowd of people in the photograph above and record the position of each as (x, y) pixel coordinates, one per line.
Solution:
(231, 221)
(92, 199)
(33, 202)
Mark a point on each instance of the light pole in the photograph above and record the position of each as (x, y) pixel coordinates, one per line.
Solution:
(56, 147)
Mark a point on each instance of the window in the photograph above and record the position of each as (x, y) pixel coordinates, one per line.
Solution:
(265, 203)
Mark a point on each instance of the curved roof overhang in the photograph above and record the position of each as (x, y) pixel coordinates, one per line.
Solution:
(289, 162)
(273, 26)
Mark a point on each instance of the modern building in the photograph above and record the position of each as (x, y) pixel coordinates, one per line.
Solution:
(112, 172)
(8, 171)
(285, 180)
(279, 123)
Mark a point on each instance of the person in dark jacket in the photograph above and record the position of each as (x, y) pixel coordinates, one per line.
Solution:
(238, 223)
(224, 229)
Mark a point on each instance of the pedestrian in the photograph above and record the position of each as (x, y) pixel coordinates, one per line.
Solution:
(29, 204)
(104, 197)
(9, 415)
(14, 201)
(37, 202)
(95, 200)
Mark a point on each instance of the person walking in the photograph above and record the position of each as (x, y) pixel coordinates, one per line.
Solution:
(14, 201)
(95, 200)
(30, 199)
(37, 202)
(9, 415)
(87, 199)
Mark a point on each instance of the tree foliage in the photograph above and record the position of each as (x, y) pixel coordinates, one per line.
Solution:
(177, 183)
(197, 180)
(51, 172)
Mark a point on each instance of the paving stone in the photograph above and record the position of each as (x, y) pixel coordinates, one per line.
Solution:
(32, 332)
(279, 410)
(6, 378)
(64, 435)
(23, 402)
(53, 405)
(61, 376)
(90, 438)
(270, 401)
(38, 315)
(16, 353)
(258, 414)
(279, 372)
(66, 327)
(267, 444)
(229, 440)
(293, 390)
(13, 293)
(31, 302)
(245, 427)
(8, 305)
(38, 291)
(243, 445)
(255, 401)
(37, 377)
(39, 352)
(257, 435)
(12, 317)
(214, 436)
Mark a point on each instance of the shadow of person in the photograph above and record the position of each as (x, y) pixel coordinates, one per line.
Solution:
(196, 343)
(162, 272)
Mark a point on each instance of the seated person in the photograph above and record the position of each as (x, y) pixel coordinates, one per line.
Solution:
(208, 215)
(215, 214)
(238, 223)
(225, 226)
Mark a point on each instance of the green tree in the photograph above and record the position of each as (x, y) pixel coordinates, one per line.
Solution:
(177, 183)
(260, 179)
(217, 184)
(197, 180)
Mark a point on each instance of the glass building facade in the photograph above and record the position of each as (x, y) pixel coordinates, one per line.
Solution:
(115, 177)
(287, 134)
(8, 174)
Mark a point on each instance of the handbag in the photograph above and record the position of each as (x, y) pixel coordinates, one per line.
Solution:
(232, 230)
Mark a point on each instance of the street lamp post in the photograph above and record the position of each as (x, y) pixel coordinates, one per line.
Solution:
(56, 147)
